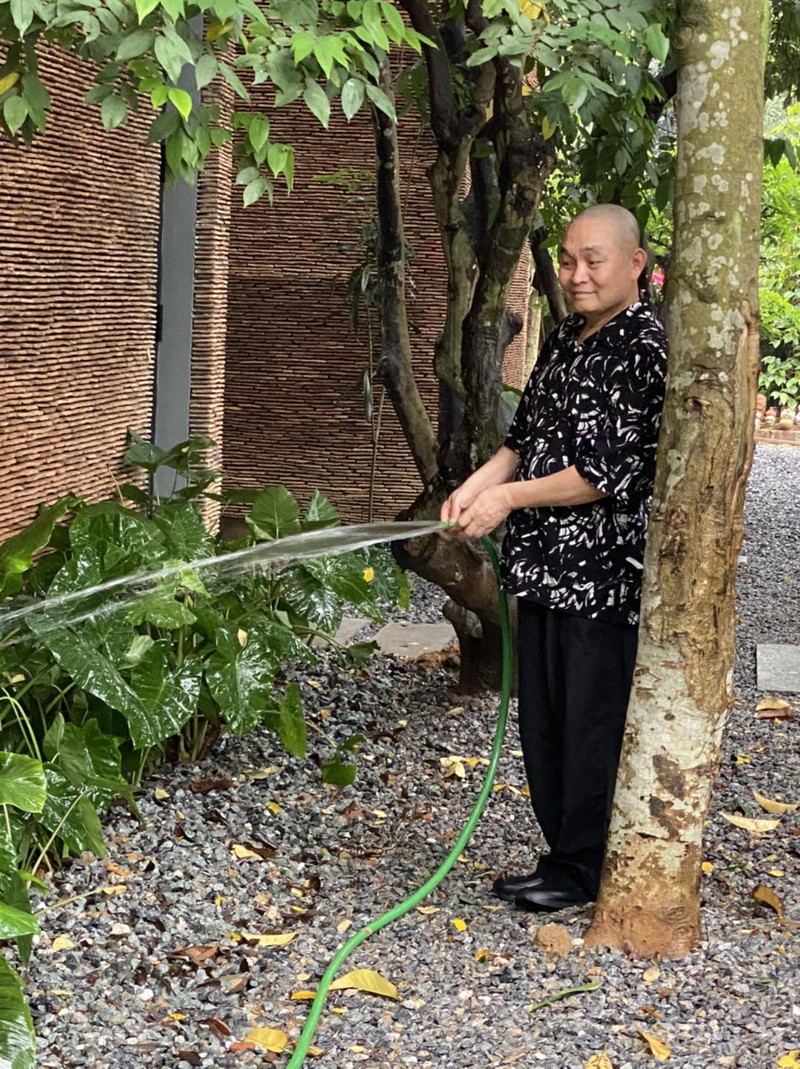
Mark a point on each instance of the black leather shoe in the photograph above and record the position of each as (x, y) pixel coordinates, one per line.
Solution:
(544, 898)
(508, 887)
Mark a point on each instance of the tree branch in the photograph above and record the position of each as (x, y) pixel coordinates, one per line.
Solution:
(444, 112)
(394, 365)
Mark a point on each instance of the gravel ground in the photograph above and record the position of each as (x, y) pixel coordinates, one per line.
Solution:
(160, 975)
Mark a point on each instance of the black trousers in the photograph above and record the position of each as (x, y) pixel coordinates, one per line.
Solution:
(575, 679)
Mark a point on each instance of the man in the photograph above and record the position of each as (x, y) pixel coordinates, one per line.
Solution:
(574, 479)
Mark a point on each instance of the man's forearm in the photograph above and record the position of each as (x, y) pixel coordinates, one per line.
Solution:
(565, 487)
(499, 469)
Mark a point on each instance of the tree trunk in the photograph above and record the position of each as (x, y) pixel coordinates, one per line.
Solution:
(649, 899)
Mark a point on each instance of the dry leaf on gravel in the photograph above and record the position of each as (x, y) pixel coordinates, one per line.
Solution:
(660, 1050)
(758, 827)
(599, 1061)
(770, 805)
(279, 939)
(197, 955)
(62, 942)
(773, 709)
(367, 981)
(789, 1060)
(460, 924)
(767, 897)
(651, 975)
(271, 1039)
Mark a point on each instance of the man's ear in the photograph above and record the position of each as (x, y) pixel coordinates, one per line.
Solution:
(639, 261)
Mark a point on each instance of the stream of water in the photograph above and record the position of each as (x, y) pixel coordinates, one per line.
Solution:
(127, 589)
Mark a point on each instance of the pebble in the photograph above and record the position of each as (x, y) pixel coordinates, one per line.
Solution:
(162, 976)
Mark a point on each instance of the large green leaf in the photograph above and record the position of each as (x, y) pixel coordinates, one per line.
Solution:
(241, 689)
(110, 526)
(22, 782)
(320, 513)
(161, 608)
(14, 922)
(15, 893)
(143, 454)
(17, 1038)
(17, 552)
(88, 667)
(88, 758)
(310, 598)
(349, 579)
(8, 856)
(186, 536)
(168, 697)
(275, 513)
(70, 814)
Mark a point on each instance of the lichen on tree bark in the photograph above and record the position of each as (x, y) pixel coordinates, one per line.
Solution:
(649, 899)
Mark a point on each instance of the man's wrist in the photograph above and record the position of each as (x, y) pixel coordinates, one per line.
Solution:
(515, 494)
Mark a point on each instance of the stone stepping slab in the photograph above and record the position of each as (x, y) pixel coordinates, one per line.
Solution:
(778, 668)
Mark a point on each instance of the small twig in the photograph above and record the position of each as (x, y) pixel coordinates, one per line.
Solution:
(593, 986)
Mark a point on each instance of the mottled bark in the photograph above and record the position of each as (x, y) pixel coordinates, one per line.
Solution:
(649, 900)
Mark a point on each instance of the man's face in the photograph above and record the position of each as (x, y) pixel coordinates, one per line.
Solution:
(598, 267)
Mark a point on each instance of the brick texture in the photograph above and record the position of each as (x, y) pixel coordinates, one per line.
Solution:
(294, 411)
(79, 216)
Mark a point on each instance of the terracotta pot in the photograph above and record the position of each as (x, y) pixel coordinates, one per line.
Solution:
(761, 403)
(786, 421)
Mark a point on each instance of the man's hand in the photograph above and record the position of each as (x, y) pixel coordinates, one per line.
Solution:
(487, 511)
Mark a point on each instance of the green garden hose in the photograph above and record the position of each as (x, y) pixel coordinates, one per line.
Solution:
(303, 1043)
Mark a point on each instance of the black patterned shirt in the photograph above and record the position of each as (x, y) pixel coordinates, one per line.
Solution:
(596, 405)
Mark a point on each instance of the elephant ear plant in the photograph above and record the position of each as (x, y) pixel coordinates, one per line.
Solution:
(161, 652)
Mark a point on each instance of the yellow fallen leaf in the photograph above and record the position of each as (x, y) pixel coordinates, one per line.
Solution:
(314, 683)
(777, 873)
(707, 866)
(19, 677)
(660, 1050)
(743, 758)
(264, 773)
(281, 939)
(767, 897)
(427, 911)
(242, 637)
(271, 1039)
(369, 575)
(243, 853)
(771, 703)
(342, 926)
(62, 942)
(115, 889)
(453, 766)
(160, 794)
(789, 1060)
(769, 805)
(302, 996)
(460, 925)
(751, 823)
(176, 1016)
(482, 956)
(274, 808)
(358, 1049)
(598, 1061)
(651, 975)
(368, 981)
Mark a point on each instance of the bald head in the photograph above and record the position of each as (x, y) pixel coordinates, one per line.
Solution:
(614, 219)
(599, 262)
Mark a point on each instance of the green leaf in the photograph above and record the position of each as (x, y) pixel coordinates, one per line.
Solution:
(234, 81)
(361, 652)
(16, 553)
(205, 70)
(22, 782)
(184, 532)
(657, 42)
(135, 44)
(15, 112)
(160, 129)
(340, 773)
(22, 12)
(143, 454)
(113, 112)
(316, 100)
(381, 100)
(88, 757)
(275, 513)
(70, 814)
(162, 609)
(17, 1038)
(310, 599)
(241, 685)
(255, 190)
(168, 697)
(14, 922)
(258, 131)
(352, 96)
(144, 8)
(291, 726)
(181, 101)
(321, 513)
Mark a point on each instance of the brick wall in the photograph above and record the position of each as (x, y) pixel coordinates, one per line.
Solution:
(79, 216)
(294, 411)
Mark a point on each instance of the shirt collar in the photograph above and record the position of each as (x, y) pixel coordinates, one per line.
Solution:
(616, 331)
